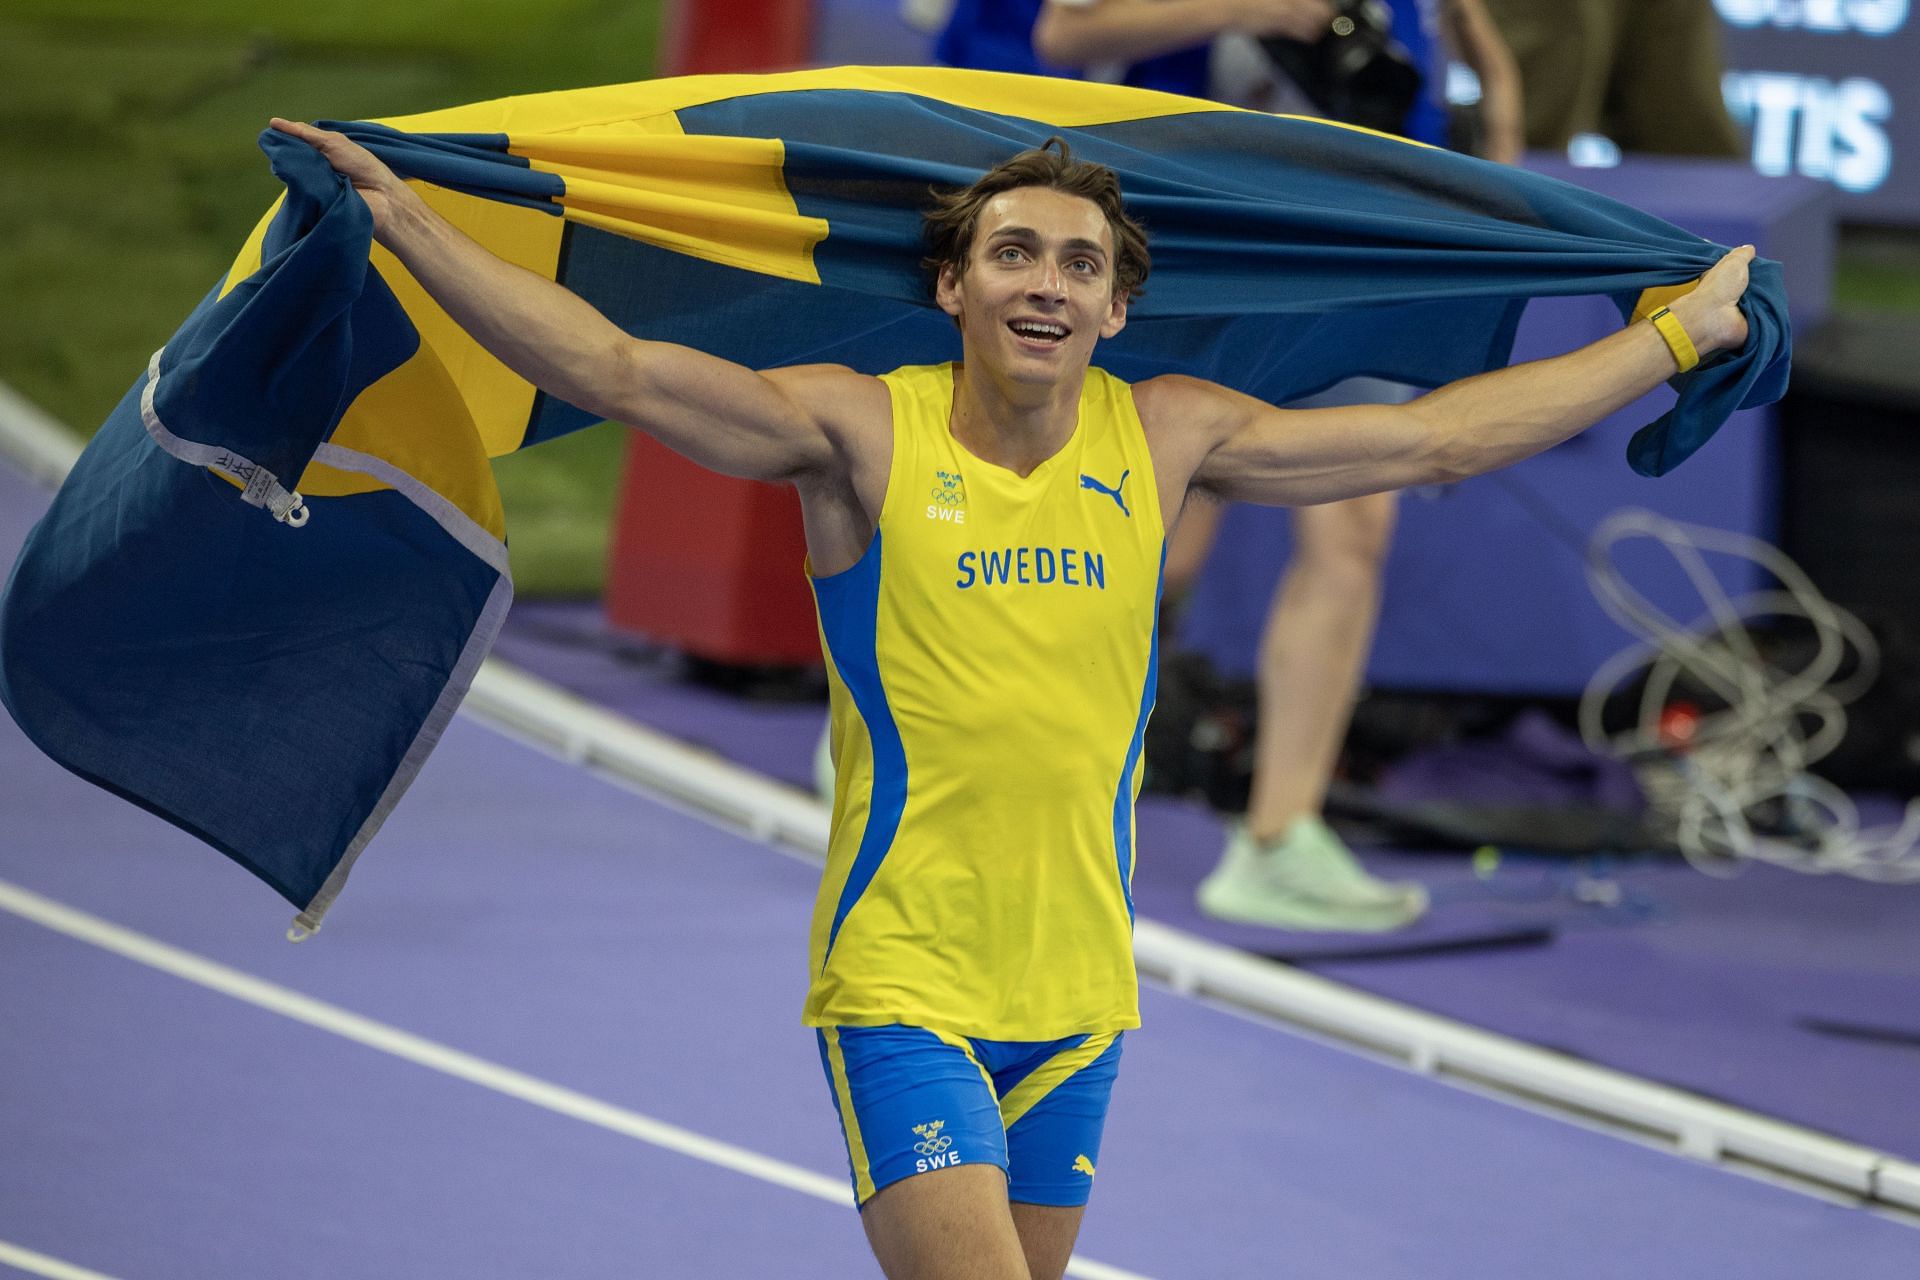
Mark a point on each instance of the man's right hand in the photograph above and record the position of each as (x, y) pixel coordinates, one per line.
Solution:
(1294, 19)
(383, 191)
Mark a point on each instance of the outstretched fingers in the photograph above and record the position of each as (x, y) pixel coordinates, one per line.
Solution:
(299, 129)
(377, 184)
(342, 152)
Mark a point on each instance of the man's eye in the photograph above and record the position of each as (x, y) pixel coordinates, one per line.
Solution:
(1009, 254)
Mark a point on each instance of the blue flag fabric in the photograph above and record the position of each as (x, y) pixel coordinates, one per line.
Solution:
(263, 591)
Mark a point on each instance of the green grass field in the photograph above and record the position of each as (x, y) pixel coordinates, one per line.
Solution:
(130, 179)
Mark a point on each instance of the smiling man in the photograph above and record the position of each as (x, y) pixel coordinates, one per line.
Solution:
(986, 541)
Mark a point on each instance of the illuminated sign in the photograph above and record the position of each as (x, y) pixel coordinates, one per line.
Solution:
(1826, 88)
(1804, 124)
(1868, 17)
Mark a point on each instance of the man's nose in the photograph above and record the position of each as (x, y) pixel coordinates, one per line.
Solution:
(1048, 281)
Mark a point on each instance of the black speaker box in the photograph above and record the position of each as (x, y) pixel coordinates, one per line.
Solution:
(1850, 464)
(1850, 516)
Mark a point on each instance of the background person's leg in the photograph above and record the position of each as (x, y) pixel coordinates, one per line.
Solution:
(1312, 654)
(948, 1224)
(1283, 866)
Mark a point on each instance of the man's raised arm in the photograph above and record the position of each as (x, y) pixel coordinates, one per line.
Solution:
(1245, 450)
(720, 414)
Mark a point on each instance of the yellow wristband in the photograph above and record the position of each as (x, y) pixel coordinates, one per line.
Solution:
(1678, 342)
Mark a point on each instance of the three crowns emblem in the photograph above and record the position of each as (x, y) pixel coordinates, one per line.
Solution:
(932, 1141)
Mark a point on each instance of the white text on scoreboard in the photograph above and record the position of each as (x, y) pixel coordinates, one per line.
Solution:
(1859, 17)
(1835, 131)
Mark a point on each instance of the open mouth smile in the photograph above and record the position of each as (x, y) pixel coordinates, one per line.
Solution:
(1039, 333)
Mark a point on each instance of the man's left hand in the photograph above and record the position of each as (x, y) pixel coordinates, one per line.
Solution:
(1711, 312)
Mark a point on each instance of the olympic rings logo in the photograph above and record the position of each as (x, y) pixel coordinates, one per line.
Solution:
(932, 1141)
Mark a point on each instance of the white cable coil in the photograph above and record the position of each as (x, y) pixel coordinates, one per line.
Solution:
(1745, 764)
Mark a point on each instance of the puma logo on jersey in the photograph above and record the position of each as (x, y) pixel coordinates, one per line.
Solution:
(1088, 482)
(1083, 1165)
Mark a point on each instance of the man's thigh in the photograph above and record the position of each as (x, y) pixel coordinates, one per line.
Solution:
(1047, 1233)
(1053, 1101)
(927, 1153)
(942, 1132)
(949, 1224)
(910, 1102)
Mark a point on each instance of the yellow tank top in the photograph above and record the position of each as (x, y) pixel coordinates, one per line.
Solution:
(991, 660)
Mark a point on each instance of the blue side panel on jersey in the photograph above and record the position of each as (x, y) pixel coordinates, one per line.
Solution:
(849, 618)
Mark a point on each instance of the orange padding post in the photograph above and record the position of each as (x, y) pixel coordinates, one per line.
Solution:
(708, 564)
(721, 36)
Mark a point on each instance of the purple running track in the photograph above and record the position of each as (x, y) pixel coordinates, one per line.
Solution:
(520, 910)
(525, 912)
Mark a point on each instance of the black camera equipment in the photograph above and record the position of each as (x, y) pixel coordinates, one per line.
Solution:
(1357, 72)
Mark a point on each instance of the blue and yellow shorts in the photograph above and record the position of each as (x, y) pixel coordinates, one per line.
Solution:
(911, 1101)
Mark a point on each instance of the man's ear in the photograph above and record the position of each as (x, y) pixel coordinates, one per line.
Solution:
(1116, 315)
(946, 290)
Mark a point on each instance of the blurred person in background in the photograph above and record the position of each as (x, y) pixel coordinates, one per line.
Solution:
(1644, 73)
(1283, 865)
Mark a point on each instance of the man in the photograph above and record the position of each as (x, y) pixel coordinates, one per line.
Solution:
(985, 542)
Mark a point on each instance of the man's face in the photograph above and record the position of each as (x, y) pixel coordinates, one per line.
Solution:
(1038, 291)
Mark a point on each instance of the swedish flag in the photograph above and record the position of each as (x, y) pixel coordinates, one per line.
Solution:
(263, 591)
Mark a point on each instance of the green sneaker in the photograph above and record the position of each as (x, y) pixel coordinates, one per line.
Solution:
(1306, 879)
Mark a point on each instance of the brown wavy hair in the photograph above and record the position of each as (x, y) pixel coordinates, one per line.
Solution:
(953, 215)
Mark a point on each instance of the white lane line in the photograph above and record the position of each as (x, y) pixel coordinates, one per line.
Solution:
(416, 1049)
(39, 1264)
(435, 1056)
